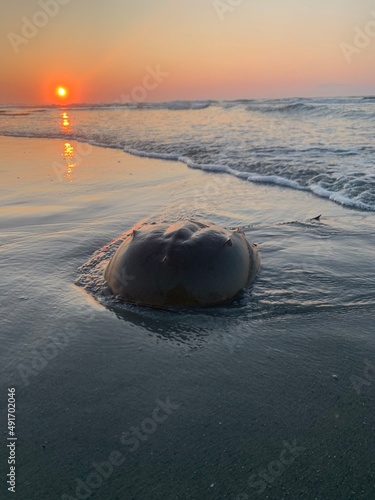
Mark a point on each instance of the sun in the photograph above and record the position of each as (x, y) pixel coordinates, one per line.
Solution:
(61, 92)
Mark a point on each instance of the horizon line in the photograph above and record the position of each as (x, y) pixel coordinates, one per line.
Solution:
(116, 103)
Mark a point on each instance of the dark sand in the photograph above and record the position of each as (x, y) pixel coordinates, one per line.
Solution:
(244, 383)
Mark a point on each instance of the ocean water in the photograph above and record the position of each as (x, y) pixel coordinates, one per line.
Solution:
(288, 365)
(325, 146)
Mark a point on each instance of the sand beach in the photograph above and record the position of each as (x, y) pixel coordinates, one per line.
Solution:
(270, 396)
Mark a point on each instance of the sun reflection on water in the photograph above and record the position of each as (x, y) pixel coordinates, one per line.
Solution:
(65, 118)
(68, 152)
(65, 126)
(69, 159)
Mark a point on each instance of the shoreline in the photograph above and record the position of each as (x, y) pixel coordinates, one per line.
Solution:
(211, 187)
(254, 179)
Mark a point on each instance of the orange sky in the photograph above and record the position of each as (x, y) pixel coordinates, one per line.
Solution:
(128, 50)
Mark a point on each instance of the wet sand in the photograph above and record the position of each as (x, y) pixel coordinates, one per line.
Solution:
(270, 397)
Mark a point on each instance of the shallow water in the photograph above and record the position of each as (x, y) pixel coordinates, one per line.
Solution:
(291, 359)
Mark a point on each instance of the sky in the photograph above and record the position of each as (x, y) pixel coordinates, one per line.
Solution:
(158, 50)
